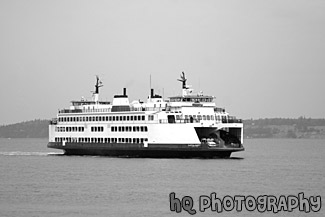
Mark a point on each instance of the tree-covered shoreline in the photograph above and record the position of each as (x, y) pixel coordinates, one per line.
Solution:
(27, 129)
(253, 128)
(285, 128)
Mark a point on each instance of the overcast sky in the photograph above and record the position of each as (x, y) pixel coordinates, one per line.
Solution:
(259, 58)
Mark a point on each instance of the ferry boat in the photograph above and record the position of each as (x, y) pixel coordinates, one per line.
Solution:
(185, 126)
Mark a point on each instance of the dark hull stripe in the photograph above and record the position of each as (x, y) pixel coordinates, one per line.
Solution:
(138, 150)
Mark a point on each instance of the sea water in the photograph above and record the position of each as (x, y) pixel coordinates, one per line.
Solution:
(37, 181)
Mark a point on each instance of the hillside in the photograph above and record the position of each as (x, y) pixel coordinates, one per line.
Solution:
(259, 128)
(27, 129)
(284, 128)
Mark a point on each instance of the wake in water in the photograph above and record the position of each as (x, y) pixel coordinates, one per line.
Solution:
(20, 153)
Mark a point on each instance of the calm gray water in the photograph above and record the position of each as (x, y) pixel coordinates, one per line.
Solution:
(36, 181)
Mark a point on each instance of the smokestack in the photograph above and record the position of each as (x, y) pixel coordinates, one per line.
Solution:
(124, 91)
(151, 94)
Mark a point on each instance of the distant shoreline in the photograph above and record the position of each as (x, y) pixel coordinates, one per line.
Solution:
(304, 128)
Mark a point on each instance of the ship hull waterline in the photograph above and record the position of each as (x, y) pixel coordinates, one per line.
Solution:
(139, 151)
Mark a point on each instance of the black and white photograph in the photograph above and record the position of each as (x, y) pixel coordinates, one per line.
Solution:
(162, 108)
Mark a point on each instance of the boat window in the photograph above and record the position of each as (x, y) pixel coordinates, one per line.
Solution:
(143, 117)
(124, 118)
(127, 118)
(171, 119)
(208, 117)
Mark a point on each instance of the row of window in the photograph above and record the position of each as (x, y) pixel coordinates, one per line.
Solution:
(129, 129)
(100, 140)
(200, 117)
(97, 129)
(69, 129)
(181, 99)
(130, 118)
(101, 129)
(104, 118)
